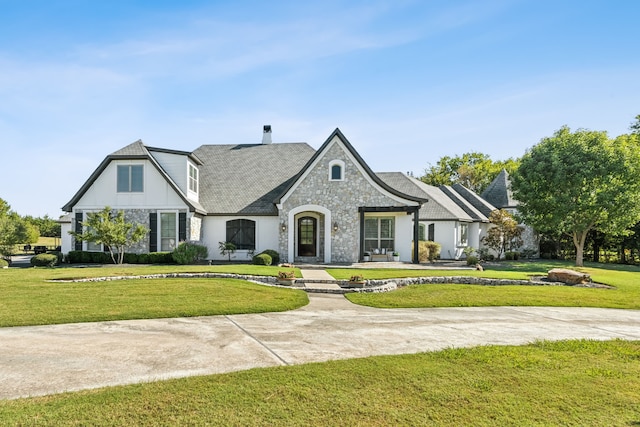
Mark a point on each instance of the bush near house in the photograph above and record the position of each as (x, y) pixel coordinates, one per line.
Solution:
(262, 259)
(428, 251)
(84, 257)
(275, 256)
(189, 253)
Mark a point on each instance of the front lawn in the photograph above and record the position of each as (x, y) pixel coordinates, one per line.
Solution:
(27, 299)
(584, 383)
(625, 279)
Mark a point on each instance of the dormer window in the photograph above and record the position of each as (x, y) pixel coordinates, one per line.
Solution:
(336, 170)
(193, 178)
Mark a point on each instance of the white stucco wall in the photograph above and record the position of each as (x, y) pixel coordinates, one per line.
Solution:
(214, 231)
(157, 193)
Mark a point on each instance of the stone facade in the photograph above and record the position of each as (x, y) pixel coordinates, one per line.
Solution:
(141, 216)
(341, 198)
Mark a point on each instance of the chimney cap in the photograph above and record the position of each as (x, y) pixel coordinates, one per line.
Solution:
(266, 128)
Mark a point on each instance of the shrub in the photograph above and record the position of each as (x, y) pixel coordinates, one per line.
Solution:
(130, 258)
(4, 263)
(44, 260)
(483, 254)
(275, 256)
(262, 259)
(161, 258)
(189, 253)
(428, 250)
(100, 258)
(511, 256)
(143, 259)
(472, 260)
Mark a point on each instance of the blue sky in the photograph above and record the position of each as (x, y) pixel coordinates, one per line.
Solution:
(407, 82)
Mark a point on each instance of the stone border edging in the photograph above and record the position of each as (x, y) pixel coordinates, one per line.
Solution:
(375, 286)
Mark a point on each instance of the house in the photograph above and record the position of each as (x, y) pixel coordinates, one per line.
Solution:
(316, 206)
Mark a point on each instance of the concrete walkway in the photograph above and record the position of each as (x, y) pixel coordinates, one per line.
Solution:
(43, 360)
(318, 279)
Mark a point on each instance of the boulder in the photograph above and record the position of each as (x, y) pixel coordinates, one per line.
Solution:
(567, 276)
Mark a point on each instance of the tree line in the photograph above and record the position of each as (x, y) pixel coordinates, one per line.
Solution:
(19, 230)
(576, 188)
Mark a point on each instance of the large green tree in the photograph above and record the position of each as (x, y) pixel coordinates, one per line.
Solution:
(109, 228)
(473, 170)
(575, 182)
(14, 230)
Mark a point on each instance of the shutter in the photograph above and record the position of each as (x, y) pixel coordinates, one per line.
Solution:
(153, 232)
(182, 227)
(78, 242)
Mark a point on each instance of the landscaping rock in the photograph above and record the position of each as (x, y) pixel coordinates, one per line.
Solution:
(567, 276)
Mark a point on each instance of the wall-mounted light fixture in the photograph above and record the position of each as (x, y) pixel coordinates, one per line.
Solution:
(283, 227)
(335, 226)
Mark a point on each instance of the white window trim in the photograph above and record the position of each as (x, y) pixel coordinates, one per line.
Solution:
(333, 163)
(177, 225)
(189, 179)
(462, 244)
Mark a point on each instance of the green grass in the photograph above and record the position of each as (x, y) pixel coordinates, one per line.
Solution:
(563, 383)
(625, 279)
(27, 299)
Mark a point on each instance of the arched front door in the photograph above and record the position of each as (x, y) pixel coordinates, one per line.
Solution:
(307, 240)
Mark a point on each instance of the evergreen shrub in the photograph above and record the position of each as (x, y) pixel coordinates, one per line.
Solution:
(44, 260)
(189, 253)
(262, 259)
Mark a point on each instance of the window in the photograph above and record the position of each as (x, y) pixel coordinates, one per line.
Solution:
(168, 235)
(130, 179)
(421, 232)
(378, 233)
(432, 232)
(336, 170)
(242, 233)
(193, 178)
(464, 235)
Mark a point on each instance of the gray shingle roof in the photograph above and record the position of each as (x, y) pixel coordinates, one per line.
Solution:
(498, 193)
(247, 178)
(440, 206)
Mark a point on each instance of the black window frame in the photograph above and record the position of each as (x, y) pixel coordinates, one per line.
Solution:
(242, 233)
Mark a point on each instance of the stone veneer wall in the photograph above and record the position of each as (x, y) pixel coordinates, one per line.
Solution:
(141, 216)
(194, 228)
(342, 198)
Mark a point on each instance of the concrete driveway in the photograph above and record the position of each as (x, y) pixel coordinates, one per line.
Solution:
(51, 359)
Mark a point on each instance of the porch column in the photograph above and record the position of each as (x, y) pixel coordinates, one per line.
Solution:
(361, 250)
(416, 235)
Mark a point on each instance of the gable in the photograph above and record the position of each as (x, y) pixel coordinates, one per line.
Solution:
(100, 189)
(316, 181)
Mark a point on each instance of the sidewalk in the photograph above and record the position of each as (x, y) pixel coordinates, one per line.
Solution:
(319, 279)
(40, 360)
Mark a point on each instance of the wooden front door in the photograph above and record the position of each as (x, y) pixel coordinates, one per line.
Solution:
(307, 232)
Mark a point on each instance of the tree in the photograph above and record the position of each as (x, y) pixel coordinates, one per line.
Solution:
(109, 228)
(473, 170)
(47, 226)
(14, 230)
(576, 182)
(227, 248)
(635, 126)
(505, 233)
